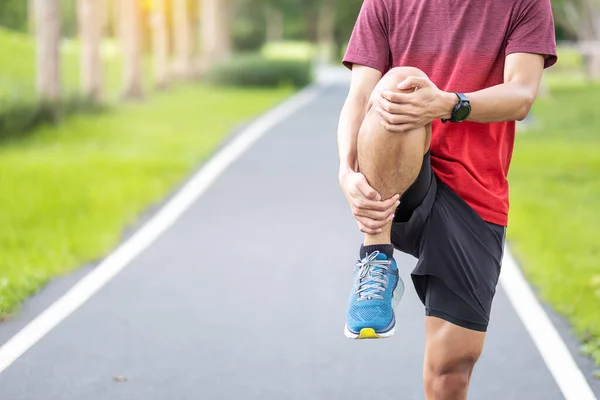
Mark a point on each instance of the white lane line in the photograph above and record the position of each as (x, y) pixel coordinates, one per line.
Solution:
(554, 351)
(143, 238)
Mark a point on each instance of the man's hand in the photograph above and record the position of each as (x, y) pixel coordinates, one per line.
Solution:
(418, 102)
(370, 212)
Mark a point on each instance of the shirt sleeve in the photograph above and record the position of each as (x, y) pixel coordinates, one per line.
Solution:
(534, 32)
(369, 44)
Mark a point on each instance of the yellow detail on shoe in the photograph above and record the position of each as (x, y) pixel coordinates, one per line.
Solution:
(367, 333)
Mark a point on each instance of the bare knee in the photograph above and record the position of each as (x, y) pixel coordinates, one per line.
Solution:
(449, 380)
(390, 82)
(396, 75)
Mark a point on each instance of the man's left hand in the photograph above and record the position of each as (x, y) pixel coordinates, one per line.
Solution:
(417, 104)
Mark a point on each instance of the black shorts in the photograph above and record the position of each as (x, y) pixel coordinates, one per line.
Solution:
(459, 254)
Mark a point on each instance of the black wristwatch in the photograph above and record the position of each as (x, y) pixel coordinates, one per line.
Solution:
(461, 111)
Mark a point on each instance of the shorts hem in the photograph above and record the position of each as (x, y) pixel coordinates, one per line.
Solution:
(474, 326)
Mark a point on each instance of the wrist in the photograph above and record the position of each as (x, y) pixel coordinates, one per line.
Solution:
(345, 169)
(448, 100)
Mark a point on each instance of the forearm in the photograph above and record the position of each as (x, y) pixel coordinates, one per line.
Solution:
(351, 118)
(504, 102)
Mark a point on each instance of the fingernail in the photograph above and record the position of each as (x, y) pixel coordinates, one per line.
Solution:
(397, 203)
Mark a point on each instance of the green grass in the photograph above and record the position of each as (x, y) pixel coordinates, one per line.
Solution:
(555, 206)
(289, 50)
(68, 192)
(569, 72)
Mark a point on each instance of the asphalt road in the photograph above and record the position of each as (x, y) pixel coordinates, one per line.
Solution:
(244, 298)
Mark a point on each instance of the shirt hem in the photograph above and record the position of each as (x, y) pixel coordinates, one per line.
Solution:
(550, 56)
(352, 58)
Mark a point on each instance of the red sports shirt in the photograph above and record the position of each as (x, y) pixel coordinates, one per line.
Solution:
(461, 46)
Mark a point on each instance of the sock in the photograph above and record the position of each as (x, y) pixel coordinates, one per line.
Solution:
(386, 249)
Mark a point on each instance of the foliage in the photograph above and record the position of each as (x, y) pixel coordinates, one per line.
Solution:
(248, 30)
(19, 111)
(67, 192)
(345, 20)
(19, 118)
(255, 70)
(289, 50)
(13, 14)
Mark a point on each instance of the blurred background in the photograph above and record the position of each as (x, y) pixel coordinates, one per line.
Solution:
(106, 105)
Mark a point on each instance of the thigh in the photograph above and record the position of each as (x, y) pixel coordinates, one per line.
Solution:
(415, 206)
(450, 348)
(416, 193)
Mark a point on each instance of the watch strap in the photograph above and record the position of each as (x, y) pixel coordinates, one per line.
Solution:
(462, 101)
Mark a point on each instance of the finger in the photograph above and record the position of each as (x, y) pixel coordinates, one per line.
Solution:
(371, 223)
(366, 230)
(398, 98)
(367, 191)
(385, 206)
(401, 128)
(414, 82)
(395, 119)
(374, 215)
(388, 106)
(410, 126)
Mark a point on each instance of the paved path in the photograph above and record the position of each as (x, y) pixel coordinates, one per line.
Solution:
(244, 298)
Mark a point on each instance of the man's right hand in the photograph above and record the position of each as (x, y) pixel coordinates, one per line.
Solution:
(370, 212)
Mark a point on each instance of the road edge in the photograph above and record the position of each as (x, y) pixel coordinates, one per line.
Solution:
(168, 214)
(554, 351)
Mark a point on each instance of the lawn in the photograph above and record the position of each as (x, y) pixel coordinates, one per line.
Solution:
(554, 228)
(68, 192)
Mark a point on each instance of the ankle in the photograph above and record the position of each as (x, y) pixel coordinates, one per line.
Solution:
(384, 248)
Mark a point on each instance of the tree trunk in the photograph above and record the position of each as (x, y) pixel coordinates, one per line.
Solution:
(89, 14)
(311, 17)
(592, 63)
(583, 19)
(274, 22)
(131, 41)
(31, 17)
(182, 39)
(215, 25)
(48, 80)
(326, 32)
(160, 44)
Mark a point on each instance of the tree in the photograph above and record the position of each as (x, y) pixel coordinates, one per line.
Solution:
(14, 14)
(215, 25)
(182, 39)
(310, 9)
(274, 21)
(582, 19)
(160, 43)
(90, 20)
(48, 81)
(326, 31)
(131, 41)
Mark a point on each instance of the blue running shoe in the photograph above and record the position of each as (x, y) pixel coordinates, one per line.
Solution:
(376, 292)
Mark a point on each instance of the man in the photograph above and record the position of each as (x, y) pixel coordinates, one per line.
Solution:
(425, 142)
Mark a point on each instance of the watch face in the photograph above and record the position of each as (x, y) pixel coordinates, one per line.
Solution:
(462, 113)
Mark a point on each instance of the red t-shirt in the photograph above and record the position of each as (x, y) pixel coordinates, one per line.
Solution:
(461, 46)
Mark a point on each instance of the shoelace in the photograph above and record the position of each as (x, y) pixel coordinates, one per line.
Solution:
(372, 279)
